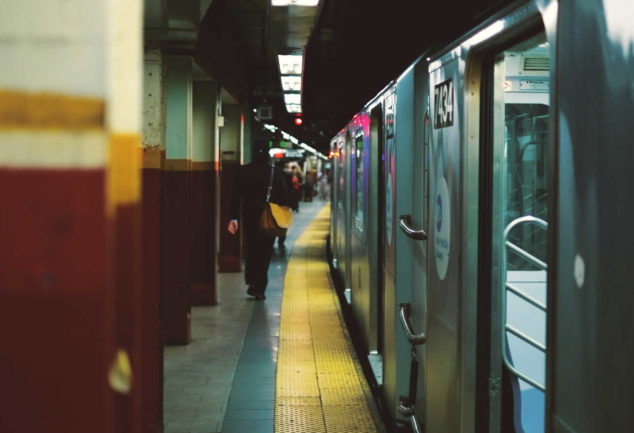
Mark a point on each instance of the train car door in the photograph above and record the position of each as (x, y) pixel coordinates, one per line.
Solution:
(341, 205)
(405, 287)
(334, 200)
(347, 234)
(389, 244)
(445, 282)
(362, 282)
(417, 229)
(376, 239)
(514, 232)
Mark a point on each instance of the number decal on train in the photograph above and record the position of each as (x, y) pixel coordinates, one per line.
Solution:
(443, 104)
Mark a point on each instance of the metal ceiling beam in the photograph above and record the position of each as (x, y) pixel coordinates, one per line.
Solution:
(174, 20)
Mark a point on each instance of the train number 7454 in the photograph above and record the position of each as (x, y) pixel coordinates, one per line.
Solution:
(443, 104)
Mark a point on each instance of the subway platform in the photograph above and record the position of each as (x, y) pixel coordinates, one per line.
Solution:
(285, 364)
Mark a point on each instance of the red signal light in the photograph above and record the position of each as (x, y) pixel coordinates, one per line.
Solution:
(298, 121)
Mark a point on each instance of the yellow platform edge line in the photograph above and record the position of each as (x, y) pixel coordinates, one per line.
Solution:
(317, 369)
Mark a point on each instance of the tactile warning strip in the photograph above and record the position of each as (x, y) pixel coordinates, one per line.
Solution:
(319, 384)
(299, 419)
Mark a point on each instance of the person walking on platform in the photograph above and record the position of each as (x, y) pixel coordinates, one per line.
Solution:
(250, 197)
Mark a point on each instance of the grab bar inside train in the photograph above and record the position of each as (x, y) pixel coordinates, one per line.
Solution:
(414, 338)
(524, 296)
(404, 222)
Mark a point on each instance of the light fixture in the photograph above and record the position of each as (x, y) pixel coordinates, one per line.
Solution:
(294, 2)
(292, 83)
(293, 98)
(293, 108)
(290, 64)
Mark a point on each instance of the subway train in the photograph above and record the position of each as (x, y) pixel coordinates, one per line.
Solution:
(481, 226)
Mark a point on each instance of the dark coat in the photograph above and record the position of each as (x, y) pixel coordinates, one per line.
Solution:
(250, 194)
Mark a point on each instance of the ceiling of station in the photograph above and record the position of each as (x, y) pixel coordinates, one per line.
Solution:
(352, 48)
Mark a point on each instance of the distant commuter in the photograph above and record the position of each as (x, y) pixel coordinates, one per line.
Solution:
(250, 196)
(289, 185)
(324, 185)
(296, 178)
(289, 169)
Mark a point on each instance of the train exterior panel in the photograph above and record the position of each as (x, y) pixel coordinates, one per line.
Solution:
(481, 229)
(590, 321)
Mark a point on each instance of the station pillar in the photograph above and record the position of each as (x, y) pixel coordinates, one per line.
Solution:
(153, 162)
(203, 226)
(175, 234)
(70, 289)
(231, 143)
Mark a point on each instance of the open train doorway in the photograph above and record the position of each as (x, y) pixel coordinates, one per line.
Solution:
(377, 229)
(517, 217)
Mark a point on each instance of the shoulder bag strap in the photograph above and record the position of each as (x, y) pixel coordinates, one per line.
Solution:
(270, 187)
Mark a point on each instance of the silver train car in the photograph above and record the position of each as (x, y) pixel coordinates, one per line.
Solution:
(481, 226)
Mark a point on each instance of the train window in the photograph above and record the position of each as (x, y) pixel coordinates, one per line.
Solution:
(341, 187)
(521, 124)
(426, 155)
(359, 181)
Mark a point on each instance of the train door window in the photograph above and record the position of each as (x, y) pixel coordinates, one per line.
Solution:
(358, 144)
(426, 157)
(341, 175)
(520, 126)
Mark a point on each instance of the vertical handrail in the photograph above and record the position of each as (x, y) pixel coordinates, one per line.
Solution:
(406, 408)
(524, 296)
(414, 423)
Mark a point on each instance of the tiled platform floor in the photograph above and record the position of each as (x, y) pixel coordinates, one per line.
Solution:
(238, 334)
(320, 386)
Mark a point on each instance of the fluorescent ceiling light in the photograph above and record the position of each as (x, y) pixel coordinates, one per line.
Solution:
(292, 83)
(293, 98)
(294, 2)
(290, 64)
(293, 108)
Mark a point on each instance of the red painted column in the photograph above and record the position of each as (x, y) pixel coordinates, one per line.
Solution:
(202, 235)
(125, 276)
(203, 224)
(124, 106)
(229, 257)
(175, 206)
(55, 315)
(175, 252)
(70, 285)
(231, 139)
(151, 374)
(152, 350)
